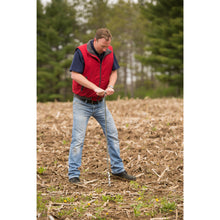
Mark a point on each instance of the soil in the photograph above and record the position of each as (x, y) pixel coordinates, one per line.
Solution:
(151, 145)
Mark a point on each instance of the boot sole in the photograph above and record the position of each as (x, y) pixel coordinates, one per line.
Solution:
(122, 178)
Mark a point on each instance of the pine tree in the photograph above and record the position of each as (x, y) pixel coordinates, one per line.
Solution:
(122, 23)
(93, 14)
(165, 34)
(56, 27)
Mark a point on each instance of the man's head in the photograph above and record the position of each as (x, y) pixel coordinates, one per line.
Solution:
(102, 40)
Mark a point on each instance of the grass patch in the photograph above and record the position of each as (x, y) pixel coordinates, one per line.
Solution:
(134, 185)
(99, 190)
(41, 205)
(117, 198)
(41, 170)
(63, 199)
(167, 206)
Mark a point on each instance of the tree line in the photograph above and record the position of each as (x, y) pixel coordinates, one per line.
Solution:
(147, 41)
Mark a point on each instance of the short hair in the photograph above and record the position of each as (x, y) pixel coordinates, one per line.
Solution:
(103, 33)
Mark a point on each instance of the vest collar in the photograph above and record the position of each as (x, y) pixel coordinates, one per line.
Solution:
(91, 50)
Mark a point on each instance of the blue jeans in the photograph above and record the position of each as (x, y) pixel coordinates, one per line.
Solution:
(82, 111)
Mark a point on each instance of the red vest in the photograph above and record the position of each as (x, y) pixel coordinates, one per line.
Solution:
(94, 70)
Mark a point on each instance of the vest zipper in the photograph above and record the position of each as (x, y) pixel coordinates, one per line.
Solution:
(101, 68)
(100, 74)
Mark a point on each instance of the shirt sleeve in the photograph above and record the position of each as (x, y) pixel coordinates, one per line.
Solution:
(78, 62)
(115, 64)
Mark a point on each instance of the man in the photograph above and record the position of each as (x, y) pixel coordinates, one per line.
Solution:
(94, 74)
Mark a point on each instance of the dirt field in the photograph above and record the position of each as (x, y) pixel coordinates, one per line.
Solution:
(151, 142)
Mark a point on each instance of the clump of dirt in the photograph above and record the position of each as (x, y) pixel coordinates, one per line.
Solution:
(151, 143)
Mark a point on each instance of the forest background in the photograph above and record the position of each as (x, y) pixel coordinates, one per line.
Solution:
(147, 41)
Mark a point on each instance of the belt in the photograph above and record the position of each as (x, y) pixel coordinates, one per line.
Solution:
(86, 100)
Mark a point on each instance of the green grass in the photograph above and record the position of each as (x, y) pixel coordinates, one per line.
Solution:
(167, 206)
(65, 142)
(41, 170)
(144, 204)
(137, 209)
(63, 199)
(134, 185)
(66, 212)
(117, 198)
(159, 92)
(51, 189)
(41, 205)
(99, 190)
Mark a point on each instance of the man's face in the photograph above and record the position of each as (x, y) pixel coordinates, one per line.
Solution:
(101, 45)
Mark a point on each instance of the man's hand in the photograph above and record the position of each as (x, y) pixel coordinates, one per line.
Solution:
(99, 91)
(109, 91)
